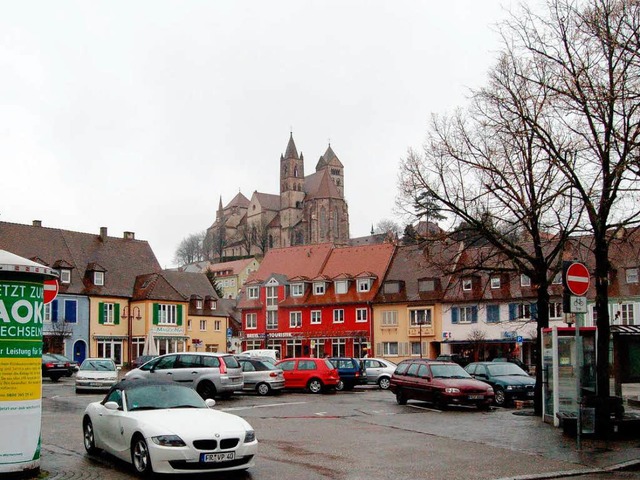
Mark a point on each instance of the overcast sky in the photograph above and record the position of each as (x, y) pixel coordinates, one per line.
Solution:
(139, 115)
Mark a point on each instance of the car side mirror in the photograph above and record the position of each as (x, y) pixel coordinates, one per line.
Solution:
(111, 406)
(210, 402)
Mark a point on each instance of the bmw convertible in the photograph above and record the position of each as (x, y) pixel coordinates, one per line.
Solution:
(165, 427)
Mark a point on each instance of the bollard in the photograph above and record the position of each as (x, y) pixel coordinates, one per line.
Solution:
(21, 318)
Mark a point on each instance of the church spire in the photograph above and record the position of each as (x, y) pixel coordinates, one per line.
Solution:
(291, 152)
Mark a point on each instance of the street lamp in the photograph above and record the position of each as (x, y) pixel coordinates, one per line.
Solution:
(129, 314)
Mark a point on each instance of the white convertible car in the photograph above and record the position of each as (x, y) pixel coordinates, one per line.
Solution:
(165, 427)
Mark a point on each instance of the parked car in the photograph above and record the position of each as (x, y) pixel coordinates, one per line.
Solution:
(515, 360)
(508, 380)
(209, 373)
(262, 352)
(314, 374)
(96, 374)
(53, 368)
(164, 427)
(141, 360)
(261, 376)
(379, 371)
(73, 365)
(441, 383)
(264, 359)
(454, 357)
(351, 372)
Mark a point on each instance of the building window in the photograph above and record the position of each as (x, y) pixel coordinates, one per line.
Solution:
(493, 313)
(338, 315)
(70, 311)
(198, 304)
(390, 318)
(295, 319)
(251, 321)
(216, 325)
(110, 349)
(65, 275)
(272, 296)
(108, 310)
(524, 310)
(495, 282)
(47, 314)
(426, 285)
(272, 320)
(167, 314)
(555, 310)
(361, 315)
(466, 315)
(213, 305)
(338, 347)
(467, 284)
(297, 289)
(525, 281)
(390, 349)
(557, 280)
(364, 284)
(391, 287)
(203, 325)
(626, 314)
(318, 288)
(252, 292)
(98, 278)
(189, 324)
(341, 287)
(632, 275)
(420, 317)
(316, 316)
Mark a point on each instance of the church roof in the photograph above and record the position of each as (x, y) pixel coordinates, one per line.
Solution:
(321, 185)
(291, 152)
(238, 201)
(329, 158)
(267, 201)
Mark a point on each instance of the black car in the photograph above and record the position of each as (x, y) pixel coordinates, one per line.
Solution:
(453, 357)
(351, 370)
(54, 368)
(141, 360)
(73, 366)
(509, 381)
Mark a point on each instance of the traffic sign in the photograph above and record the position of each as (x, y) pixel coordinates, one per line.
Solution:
(51, 288)
(578, 279)
(577, 304)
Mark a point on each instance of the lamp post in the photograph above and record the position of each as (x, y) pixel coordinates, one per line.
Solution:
(129, 314)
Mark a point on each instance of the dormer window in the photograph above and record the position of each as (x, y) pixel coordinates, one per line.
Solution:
(341, 286)
(98, 278)
(391, 287)
(495, 282)
(65, 275)
(426, 285)
(525, 281)
(213, 304)
(318, 288)
(297, 289)
(467, 284)
(252, 292)
(198, 304)
(364, 284)
(632, 275)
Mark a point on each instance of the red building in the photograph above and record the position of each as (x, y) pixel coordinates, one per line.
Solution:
(314, 299)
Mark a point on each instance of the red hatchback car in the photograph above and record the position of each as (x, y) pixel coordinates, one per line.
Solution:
(315, 374)
(441, 383)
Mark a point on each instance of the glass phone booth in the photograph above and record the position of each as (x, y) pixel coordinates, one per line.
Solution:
(566, 356)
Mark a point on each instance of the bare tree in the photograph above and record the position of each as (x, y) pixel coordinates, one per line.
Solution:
(260, 236)
(55, 335)
(477, 338)
(190, 249)
(388, 227)
(585, 57)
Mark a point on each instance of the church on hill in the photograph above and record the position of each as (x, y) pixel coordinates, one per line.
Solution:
(309, 209)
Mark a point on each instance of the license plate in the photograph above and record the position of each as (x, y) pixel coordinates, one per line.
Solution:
(94, 384)
(217, 457)
(476, 397)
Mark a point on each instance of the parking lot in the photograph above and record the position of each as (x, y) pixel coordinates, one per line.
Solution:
(348, 435)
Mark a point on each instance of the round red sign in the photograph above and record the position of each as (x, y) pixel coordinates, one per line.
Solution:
(578, 279)
(51, 288)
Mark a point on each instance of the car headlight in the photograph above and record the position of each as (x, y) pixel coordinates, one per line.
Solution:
(452, 390)
(250, 436)
(489, 389)
(168, 441)
(510, 387)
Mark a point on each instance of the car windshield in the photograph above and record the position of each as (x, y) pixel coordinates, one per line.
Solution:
(154, 397)
(503, 369)
(98, 365)
(449, 371)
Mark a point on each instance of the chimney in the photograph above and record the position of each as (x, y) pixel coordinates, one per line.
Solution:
(103, 233)
(129, 236)
(37, 223)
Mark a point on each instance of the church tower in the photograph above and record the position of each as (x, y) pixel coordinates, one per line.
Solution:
(331, 162)
(291, 191)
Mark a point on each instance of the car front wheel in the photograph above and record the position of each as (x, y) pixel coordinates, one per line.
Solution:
(384, 382)
(263, 389)
(500, 398)
(89, 437)
(140, 457)
(315, 386)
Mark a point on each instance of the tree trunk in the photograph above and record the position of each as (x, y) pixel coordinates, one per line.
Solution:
(603, 407)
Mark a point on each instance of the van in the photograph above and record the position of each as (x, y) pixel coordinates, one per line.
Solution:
(262, 352)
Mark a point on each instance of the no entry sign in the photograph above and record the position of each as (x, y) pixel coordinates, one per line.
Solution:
(578, 279)
(51, 288)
